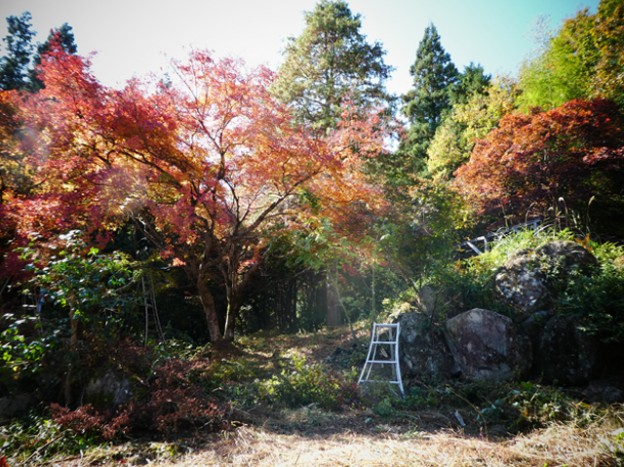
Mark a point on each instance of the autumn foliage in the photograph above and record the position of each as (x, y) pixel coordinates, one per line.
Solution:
(572, 154)
(209, 165)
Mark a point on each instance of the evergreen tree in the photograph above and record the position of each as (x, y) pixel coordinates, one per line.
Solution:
(472, 81)
(434, 75)
(331, 61)
(14, 64)
(62, 37)
(18, 65)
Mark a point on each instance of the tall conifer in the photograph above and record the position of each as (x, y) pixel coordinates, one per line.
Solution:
(329, 62)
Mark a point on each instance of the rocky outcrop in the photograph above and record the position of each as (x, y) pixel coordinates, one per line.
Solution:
(424, 354)
(108, 391)
(522, 284)
(534, 341)
(531, 278)
(566, 354)
(562, 258)
(15, 405)
(487, 346)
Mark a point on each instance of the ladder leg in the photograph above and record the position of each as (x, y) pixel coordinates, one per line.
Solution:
(396, 360)
(368, 355)
(391, 339)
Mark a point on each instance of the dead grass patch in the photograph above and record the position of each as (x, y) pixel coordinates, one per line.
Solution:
(559, 444)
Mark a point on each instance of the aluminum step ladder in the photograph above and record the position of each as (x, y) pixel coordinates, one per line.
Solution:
(151, 310)
(383, 356)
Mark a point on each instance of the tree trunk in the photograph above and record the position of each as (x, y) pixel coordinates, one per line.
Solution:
(210, 310)
(73, 356)
(233, 307)
(334, 317)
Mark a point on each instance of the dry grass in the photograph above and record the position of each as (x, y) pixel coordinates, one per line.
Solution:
(556, 445)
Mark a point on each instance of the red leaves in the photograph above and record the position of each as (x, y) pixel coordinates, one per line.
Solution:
(210, 161)
(530, 161)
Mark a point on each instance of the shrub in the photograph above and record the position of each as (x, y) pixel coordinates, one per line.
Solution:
(30, 440)
(309, 384)
(89, 423)
(177, 402)
(599, 299)
(173, 399)
(529, 405)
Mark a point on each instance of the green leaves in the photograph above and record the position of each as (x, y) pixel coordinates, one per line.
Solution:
(88, 283)
(14, 63)
(23, 344)
(583, 60)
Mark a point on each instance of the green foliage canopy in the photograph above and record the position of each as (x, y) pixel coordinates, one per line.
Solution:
(466, 124)
(585, 59)
(433, 74)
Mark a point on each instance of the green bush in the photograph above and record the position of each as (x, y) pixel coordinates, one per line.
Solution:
(599, 299)
(36, 437)
(24, 343)
(529, 405)
(309, 384)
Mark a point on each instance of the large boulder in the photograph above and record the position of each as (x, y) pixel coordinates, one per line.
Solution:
(487, 345)
(522, 284)
(15, 405)
(108, 391)
(530, 278)
(567, 355)
(423, 353)
(533, 328)
(564, 257)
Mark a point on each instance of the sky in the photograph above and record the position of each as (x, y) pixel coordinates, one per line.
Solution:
(132, 38)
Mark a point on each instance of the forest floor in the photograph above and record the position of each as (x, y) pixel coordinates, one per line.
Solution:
(434, 434)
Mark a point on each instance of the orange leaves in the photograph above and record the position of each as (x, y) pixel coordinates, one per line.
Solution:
(572, 152)
(209, 163)
(211, 155)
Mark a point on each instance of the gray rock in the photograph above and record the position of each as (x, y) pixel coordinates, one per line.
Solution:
(423, 353)
(531, 278)
(522, 284)
(487, 345)
(13, 406)
(108, 391)
(566, 354)
(426, 300)
(564, 256)
(533, 328)
(603, 391)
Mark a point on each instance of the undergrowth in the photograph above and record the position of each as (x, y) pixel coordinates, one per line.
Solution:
(196, 390)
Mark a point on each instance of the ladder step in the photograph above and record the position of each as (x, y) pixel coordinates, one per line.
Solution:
(390, 353)
(379, 381)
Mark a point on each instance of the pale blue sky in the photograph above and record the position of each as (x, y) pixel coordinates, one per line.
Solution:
(134, 37)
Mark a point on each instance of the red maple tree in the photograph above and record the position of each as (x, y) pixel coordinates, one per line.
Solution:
(573, 153)
(209, 164)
